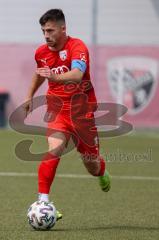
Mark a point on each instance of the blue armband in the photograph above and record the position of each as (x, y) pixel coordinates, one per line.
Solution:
(81, 65)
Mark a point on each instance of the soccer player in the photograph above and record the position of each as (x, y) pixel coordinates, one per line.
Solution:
(64, 62)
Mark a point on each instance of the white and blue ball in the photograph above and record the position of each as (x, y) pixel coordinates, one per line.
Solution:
(42, 215)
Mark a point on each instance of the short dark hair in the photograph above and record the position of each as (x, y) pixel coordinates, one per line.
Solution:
(56, 15)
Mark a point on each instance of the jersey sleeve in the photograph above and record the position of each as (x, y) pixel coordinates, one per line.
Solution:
(79, 57)
(37, 60)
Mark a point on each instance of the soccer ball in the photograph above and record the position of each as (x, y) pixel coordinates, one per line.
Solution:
(42, 215)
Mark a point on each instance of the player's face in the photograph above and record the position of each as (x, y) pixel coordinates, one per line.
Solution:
(53, 33)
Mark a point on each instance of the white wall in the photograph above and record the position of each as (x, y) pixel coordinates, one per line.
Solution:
(119, 21)
(19, 19)
(127, 22)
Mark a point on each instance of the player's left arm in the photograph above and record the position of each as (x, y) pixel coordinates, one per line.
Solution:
(79, 61)
(74, 75)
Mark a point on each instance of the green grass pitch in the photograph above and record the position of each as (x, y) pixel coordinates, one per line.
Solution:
(129, 211)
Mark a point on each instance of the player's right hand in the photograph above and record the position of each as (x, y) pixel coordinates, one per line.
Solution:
(28, 106)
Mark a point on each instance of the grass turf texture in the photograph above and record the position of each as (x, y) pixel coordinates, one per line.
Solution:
(128, 211)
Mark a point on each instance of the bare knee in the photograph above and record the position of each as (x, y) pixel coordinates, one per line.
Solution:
(56, 142)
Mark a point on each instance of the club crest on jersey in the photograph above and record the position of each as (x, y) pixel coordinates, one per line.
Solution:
(63, 55)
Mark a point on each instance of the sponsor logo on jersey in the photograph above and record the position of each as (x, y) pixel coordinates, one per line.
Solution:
(133, 81)
(63, 55)
(60, 69)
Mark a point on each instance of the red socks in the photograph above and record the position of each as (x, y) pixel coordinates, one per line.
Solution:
(46, 172)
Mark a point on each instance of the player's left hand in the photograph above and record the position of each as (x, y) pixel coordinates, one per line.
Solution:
(45, 72)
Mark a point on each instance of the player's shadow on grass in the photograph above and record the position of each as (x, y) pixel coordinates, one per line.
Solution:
(109, 227)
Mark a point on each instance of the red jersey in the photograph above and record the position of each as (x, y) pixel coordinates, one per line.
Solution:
(60, 62)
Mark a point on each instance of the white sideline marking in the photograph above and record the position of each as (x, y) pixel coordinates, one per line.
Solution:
(79, 176)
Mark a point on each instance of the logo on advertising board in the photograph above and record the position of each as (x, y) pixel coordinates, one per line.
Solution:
(132, 81)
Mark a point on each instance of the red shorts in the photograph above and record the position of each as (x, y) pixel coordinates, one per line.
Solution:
(81, 127)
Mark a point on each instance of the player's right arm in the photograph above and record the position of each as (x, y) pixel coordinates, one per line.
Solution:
(36, 82)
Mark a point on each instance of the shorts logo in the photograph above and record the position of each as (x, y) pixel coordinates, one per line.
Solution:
(60, 69)
(96, 141)
(133, 81)
(63, 55)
